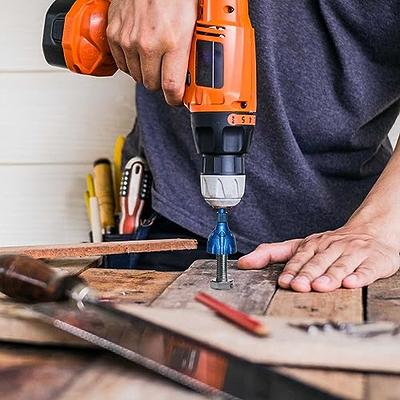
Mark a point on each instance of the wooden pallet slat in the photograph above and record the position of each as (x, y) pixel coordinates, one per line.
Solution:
(251, 293)
(383, 299)
(383, 304)
(341, 305)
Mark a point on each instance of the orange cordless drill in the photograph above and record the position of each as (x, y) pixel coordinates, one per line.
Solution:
(220, 92)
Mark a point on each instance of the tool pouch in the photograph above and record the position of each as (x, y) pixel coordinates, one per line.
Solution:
(128, 261)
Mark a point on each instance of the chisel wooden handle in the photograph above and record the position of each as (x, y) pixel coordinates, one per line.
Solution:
(104, 188)
(26, 279)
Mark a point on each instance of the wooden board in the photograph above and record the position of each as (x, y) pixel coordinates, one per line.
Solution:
(255, 292)
(53, 374)
(112, 378)
(342, 305)
(383, 304)
(26, 373)
(382, 387)
(17, 325)
(384, 300)
(101, 249)
(251, 293)
(139, 287)
(345, 385)
(74, 266)
(329, 351)
(348, 385)
(286, 345)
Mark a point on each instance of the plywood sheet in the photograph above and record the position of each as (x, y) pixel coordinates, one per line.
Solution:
(286, 344)
(101, 249)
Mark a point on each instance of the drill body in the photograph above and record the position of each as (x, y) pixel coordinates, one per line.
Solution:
(220, 92)
(221, 96)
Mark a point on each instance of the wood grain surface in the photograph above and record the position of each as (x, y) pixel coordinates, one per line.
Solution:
(341, 305)
(100, 249)
(383, 304)
(18, 325)
(251, 293)
(121, 284)
(383, 300)
(54, 374)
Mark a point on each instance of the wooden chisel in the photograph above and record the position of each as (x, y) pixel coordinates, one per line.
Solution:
(104, 189)
(67, 303)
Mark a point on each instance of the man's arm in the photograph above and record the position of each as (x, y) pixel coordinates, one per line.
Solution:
(150, 40)
(365, 249)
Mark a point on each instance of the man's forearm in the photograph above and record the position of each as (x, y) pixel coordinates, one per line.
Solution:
(365, 249)
(380, 211)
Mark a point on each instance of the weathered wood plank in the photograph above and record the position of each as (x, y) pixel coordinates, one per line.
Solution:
(100, 249)
(140, 287)
(251, 293)
(38, 374)
(287, 344)
(17, 325)
(44, 374)
(383, 387)
(341, 305)
(383, 304)
(347, 385)
(383, 300)
(113, 378)
(74, 266)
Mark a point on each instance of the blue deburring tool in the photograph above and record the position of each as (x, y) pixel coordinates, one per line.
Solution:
(222, 243)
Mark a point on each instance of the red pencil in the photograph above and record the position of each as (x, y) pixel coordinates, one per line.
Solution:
(239, 318)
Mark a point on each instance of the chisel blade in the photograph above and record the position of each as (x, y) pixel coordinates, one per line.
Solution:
(179, 358)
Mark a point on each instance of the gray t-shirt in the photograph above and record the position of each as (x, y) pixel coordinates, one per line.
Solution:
(328, 94)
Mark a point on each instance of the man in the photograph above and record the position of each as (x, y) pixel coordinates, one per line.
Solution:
(328, 94)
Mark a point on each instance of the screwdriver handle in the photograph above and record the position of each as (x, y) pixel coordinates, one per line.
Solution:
(27, 279)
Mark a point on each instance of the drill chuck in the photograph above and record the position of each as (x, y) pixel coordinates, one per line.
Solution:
(222, 191)
(223, 147)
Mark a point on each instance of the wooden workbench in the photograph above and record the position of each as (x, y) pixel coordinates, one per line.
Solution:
(51, 372)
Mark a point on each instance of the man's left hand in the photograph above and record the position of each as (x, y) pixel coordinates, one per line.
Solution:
(346, 257)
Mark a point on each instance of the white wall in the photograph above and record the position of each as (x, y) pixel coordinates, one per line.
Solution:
(395, 132)
(53, 125)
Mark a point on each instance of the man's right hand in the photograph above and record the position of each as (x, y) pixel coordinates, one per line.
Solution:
(151, 40)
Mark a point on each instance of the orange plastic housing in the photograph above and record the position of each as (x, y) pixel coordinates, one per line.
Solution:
(226, 22)
(85, 44)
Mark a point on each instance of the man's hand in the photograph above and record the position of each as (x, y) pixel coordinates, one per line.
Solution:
(151, 39)
(347, 257)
